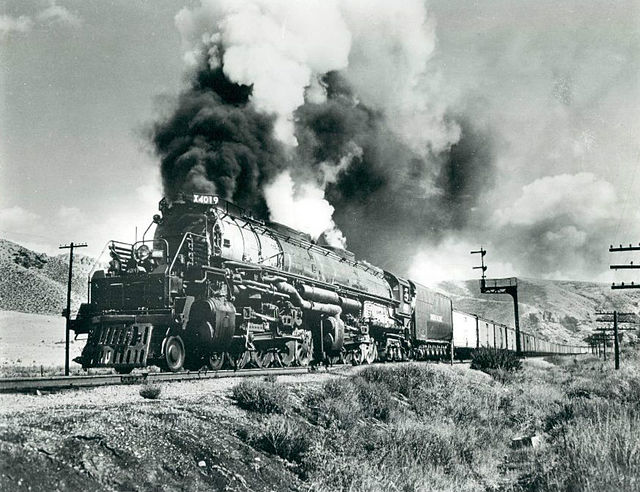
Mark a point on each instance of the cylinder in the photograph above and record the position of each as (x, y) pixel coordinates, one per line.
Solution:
(318, 294)
(211, 325)
(350, 305)
(333, 329)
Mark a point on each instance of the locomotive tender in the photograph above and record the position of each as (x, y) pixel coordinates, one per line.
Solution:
(215, 286)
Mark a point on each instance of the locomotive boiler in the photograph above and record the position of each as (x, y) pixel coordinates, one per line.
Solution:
(215, 286)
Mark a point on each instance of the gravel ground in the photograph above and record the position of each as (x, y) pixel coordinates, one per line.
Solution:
(110, 438)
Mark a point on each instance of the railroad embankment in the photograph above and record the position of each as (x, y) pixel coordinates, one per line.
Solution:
(557, 424)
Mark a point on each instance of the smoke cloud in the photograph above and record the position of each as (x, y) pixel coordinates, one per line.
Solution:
(353, 121)
(338, 136)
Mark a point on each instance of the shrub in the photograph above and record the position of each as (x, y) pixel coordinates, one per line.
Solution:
(261, 396)
(280, 435)
(336, 404)
(595, 448)
(489, 358)
(375, 400)
(404, 379)
(150, 391)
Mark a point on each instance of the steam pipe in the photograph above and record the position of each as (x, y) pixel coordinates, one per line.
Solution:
(296, 298)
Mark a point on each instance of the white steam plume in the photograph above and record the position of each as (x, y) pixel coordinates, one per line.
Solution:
(302, 207)
(283, 47)
(276, 46)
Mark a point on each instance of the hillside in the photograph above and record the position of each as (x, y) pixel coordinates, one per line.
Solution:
(37, 283)
(556, 309)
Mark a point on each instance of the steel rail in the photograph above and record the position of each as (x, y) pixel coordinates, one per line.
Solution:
(15, 385)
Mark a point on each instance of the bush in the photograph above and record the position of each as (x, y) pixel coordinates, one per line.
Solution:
(335, 405)
(280, 435)
(261, 396)
(404, 379)
(150, 391)
(489, 358)
(375, 399)
(594, 448)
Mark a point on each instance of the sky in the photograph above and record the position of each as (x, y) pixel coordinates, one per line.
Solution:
(554, 83)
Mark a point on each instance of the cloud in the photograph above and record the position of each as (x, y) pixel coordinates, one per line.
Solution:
(17, 217)
(10, 24)
(56, 14)
(150, 193)
(452, 260)
(275, 46)
(580, 198)
(52, 15)
(70, 223)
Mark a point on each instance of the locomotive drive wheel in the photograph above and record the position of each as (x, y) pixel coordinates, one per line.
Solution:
(358, 355)
(304, 349)
(298, 352)
(288, 356)
(240, 360)
(174, 354)
(371, 353)
(216, 361)
(336, 359)
(269, 358)
(248, 358)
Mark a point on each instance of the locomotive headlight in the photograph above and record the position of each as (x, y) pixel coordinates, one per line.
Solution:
(143, 252)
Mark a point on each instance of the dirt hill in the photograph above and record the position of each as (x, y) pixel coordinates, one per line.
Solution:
(556, 309)
(33, 282)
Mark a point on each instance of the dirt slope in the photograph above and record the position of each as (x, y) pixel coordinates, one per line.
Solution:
(33, 282)
(112, 439)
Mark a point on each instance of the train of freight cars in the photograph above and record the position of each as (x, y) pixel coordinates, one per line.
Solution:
(216, 287)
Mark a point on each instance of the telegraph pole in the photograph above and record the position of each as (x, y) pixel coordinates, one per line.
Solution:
(616, 318)
(67, 312)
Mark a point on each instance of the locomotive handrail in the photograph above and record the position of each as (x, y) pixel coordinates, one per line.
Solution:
(95, 263)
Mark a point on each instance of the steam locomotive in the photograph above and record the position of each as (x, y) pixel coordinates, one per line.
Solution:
(215, 287)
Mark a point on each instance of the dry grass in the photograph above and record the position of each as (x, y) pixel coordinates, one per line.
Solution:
(264, 396)
(429, 427)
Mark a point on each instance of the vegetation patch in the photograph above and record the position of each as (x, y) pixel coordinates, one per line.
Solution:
(434, 427)
(266, 396)
(150, 391)
(484, 359)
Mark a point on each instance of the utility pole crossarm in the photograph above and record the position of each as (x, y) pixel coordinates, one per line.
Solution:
(72, 245)
(632, 285)
(620, 248)
(630, 266)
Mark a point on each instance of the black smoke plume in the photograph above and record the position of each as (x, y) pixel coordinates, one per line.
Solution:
(215, 142)
(389, 201)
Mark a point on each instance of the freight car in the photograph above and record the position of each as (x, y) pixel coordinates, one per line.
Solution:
(215, 286)
(471, 331)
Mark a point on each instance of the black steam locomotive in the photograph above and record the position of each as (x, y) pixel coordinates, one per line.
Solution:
(215, 286)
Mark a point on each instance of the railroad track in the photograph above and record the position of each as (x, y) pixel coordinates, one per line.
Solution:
(26, 384)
